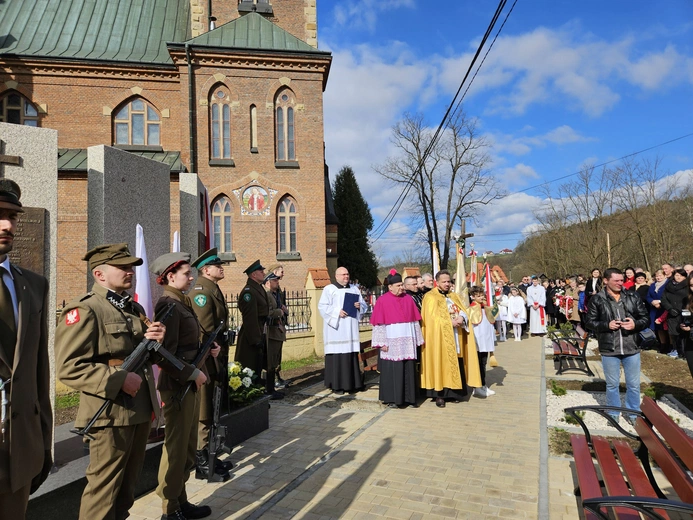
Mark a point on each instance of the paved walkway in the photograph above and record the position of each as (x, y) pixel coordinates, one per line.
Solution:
(326, 458)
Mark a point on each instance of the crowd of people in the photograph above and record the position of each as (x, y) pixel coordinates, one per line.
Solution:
(434, 344)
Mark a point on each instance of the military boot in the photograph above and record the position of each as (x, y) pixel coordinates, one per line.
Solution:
(202, 467)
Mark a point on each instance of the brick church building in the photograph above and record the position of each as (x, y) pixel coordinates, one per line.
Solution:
(231, 90)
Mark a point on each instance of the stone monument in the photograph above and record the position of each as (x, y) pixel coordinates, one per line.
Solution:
(29, 156)
(192, 217)
(125, 190)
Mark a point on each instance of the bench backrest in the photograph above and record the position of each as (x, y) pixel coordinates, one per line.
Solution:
(678, 443)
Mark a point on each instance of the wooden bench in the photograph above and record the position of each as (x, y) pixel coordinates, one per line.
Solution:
(573, 347)
(368, 353)
(627, 486)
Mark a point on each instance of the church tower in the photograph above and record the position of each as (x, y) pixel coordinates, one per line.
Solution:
(298, 17)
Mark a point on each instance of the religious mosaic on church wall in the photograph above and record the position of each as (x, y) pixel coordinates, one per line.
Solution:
(255, 200)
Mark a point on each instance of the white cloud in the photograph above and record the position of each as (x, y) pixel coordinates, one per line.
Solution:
(517, 175)
(365, 96)
(523, 144)
(565, 66)
(364, 14)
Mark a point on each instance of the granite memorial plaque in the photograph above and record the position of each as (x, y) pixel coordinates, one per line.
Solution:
(29, 240)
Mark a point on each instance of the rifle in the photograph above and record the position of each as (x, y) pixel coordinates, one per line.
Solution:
(217, 437)
(199, 362)
(134, 363)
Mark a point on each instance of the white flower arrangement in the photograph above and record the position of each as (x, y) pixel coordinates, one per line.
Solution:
(246, 382)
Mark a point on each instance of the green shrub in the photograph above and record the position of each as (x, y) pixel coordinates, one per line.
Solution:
(557, 389)
(571, 420)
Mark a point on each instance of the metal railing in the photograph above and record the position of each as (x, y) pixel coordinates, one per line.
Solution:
(370, 295)
(298, 303)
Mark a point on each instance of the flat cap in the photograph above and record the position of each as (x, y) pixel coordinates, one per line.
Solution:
(255, 266)
(209, 257)
(111, 254)
(162, 264)
(271, 276)
(10, 195)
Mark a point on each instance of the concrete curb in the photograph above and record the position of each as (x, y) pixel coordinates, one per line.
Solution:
(543, 498)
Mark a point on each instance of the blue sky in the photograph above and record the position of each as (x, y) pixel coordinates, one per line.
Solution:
(567, 83)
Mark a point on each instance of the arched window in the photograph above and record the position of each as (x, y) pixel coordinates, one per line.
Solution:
(15, 108)
(137, 123)
(285, 125)
(287, 215)
(221, 218)
(220, 123)
(253, 128)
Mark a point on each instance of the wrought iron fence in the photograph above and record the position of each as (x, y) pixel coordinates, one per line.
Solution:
(370, 295)
(297, 302)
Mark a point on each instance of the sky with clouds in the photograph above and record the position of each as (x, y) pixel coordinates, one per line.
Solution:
(566, 83)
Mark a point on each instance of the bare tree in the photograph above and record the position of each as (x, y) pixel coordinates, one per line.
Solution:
(580, 203)
(450, 184)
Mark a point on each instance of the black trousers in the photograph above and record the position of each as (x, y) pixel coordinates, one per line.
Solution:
(483, 359)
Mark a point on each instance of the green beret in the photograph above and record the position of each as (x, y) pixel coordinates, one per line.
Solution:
(111, 254)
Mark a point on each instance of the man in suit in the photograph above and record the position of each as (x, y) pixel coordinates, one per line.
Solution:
(95, 334)
(210, 307)
(26, 434)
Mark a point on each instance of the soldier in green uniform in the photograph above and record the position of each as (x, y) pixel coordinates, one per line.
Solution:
(182, 338)
(276, 329)
(251, 348)
(210, 307)
(95, 334)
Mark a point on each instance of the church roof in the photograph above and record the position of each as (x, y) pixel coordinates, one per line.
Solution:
(98, 30)
(75, 159)
(253, 32)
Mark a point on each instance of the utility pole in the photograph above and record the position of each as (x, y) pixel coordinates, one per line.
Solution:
(608, 251)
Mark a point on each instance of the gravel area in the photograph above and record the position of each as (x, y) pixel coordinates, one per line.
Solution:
(555, 416)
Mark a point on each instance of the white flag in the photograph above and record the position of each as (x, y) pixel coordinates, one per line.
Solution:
(176, 242)
(143, 292)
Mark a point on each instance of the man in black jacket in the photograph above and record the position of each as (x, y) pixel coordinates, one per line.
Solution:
(617, 317)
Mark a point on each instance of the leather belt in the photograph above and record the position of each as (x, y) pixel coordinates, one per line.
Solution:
(115, 362)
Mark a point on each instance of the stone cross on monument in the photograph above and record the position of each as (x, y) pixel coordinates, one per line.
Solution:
(15, 160)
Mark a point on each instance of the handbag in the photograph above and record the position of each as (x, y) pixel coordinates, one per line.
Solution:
(648, 338)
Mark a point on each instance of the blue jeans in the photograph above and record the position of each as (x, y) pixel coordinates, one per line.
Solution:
(612, 372)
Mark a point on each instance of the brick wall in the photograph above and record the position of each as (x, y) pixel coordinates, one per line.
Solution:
(79, 100)
(298, 17)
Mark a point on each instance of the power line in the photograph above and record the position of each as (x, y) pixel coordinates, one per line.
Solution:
(402, 197)
(600, 165)
(633, 154)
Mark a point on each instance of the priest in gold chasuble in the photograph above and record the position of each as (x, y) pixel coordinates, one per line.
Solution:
(449, 361)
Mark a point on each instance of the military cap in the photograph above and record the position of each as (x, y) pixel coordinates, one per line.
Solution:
(209, 257)
(271, 276)
(111, 254)
(161, 265)
(255, 266)
(10, 195)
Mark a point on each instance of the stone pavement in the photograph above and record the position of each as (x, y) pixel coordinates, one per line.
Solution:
(326, 458)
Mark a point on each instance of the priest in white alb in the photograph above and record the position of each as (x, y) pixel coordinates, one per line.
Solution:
(536, 301)
(341, 307)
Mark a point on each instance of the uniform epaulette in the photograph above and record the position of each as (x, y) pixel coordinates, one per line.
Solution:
(86, 296)
(197, 288)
